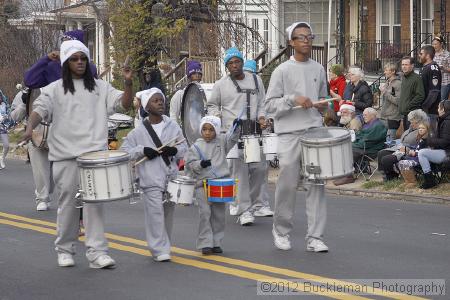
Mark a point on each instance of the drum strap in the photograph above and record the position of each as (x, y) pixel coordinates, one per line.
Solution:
(155, 139)
(248, 92)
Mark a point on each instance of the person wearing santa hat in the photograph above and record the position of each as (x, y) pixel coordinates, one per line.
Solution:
(194, 73)
(160, 167)
(78, 106)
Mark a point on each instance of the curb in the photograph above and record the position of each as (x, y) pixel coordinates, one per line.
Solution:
(428, 199)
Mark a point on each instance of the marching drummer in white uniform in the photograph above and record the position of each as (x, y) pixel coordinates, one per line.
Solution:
(78, 106)
(294, 87)
(194, 73)
(155, 131)
(228, 103)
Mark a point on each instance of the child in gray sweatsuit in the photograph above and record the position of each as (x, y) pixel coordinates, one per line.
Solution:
(206, 159)
(155, 172)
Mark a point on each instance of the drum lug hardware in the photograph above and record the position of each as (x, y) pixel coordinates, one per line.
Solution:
(312, 169)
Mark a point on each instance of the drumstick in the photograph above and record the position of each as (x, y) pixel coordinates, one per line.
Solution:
(319, 102)
(159, 149)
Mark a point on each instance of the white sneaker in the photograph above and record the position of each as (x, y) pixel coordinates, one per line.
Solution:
(42, 206)
(246, 219)
(281, 242)
(233, 210)
(315, 245)
(2, 163)
(65, 260)
(103, 262)
(162, 257)
(263, 211)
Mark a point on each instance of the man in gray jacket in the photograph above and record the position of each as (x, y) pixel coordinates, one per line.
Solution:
(228, 101)
(294, 87)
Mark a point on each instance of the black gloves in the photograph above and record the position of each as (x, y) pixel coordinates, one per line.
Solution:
(150, 153)
(205, 163)
(237, 122)
(169, 151)
(25, 97)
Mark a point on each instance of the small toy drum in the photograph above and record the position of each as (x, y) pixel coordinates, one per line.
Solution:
(220, 190)
(181, 190)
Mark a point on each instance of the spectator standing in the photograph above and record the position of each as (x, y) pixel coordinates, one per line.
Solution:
(337, 84)
(442, 58)
(362, 97)
(390, 95)
(412, 93)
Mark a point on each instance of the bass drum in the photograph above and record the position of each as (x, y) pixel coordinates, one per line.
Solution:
(193, 109)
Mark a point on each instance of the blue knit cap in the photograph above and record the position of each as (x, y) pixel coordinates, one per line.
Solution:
(250, 65)
(232, 52)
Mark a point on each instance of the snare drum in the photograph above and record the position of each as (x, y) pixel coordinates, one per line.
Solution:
(327, 153)
(181, 190)
(252, 149)
(39, 136)
(220, 190)
(106, 176)
(121, 120)
(270, 143)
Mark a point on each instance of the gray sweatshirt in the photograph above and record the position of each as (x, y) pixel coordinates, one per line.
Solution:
(79, 121)
(215, 150)
(226, 103)
(154, 174)
(175, 106)
(18, 108)
(290, 79)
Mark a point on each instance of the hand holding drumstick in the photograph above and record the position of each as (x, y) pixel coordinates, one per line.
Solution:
(158, 151)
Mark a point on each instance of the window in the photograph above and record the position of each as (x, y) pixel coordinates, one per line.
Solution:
(426, 13)
(315, 12)
(389, 26)
(255, 40)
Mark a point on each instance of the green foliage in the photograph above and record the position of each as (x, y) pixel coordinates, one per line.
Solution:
(371, 184)
(139, 34)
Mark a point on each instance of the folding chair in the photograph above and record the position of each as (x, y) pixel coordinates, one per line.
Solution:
(367, 165)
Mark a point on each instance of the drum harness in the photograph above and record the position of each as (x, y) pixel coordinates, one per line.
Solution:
(248, 126)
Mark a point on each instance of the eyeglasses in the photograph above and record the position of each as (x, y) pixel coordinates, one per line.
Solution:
(77, 58)
(304, 38)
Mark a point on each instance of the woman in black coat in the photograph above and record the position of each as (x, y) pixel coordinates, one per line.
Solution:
(440, 144)
(362, 94)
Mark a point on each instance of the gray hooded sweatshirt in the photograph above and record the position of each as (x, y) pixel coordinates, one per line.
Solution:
(289, 80)
(154, 174)
(215, 150)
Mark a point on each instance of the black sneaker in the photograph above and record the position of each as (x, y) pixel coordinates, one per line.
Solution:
(217, 250)
(207, 251)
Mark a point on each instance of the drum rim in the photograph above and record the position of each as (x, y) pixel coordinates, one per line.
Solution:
(328, 140)
(131, 195)
(100, 162)
(180, 181)
(128, 118)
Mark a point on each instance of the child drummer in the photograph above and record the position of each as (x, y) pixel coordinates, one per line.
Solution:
(155, 172)
(206, 159)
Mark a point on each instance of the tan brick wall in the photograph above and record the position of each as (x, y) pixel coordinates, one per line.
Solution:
(371, 25)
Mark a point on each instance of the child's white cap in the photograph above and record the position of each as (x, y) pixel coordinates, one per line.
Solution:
(213, 120)
(145, 95)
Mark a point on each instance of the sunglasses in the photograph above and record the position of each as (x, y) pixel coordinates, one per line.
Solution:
(77, 58)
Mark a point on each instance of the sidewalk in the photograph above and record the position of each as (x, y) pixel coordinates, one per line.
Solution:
(378, 190)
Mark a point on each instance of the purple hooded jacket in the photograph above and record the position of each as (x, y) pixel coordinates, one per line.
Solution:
(45, 70)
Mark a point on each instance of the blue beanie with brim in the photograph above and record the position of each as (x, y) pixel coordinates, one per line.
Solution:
(232, 52)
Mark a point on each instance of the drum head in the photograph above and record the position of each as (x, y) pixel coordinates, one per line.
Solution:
(193, 109)
(101, 157)
(325, 135)
(121, 120)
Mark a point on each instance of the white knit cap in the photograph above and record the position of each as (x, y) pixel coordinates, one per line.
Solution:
(347, 107)
(291, 28)
(213, 120)
(70, 47)
(145, 95)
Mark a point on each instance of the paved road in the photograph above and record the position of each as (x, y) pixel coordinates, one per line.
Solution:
(368, 239)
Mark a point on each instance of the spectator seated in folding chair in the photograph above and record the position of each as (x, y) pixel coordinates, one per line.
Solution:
(369, 140)
(388, 158)
(440, 144)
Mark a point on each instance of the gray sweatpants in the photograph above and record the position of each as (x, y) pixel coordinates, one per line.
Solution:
(5, 141)
(286, 191)
(252, 185)
(67, 178)
(40, 166)
(211, 228)
(158, 221)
